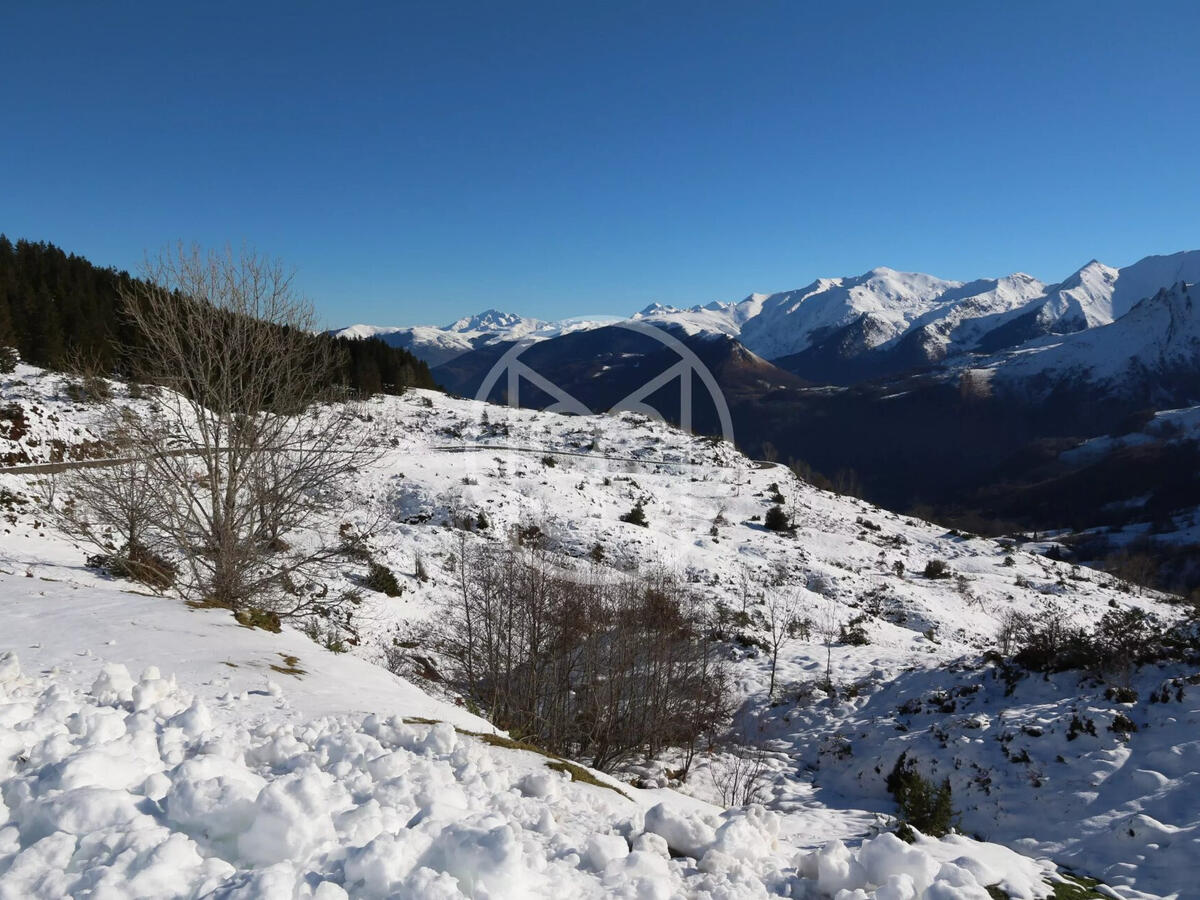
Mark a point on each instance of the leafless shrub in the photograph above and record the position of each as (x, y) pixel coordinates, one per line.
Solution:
(602, 668)
(739, 775)
(113, 509)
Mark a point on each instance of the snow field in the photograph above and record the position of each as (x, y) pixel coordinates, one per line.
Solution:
(133, 789)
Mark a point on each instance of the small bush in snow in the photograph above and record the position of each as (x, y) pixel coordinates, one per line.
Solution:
(137, 564)
(89, 389)
(936, 568)
(1121, 695)
(924, 805)
(853, 632)
(776, 520)
(637, 515)
(380, 578)
(606, 670)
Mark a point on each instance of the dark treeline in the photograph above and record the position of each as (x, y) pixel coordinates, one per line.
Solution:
(62, 312)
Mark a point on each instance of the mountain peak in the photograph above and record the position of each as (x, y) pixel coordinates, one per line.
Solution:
(488, 320)
(656, 308)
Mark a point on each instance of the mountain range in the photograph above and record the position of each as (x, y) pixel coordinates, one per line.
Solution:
(848, 329)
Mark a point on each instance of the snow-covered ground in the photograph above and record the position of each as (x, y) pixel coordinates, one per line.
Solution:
(273, 767)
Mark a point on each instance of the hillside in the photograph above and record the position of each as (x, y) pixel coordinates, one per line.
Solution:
(276, 777)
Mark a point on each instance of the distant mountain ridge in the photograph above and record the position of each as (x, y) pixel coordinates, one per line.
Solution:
(844, 330)
(439, 345)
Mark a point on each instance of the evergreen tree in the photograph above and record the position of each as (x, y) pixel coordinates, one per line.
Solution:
(56, 306)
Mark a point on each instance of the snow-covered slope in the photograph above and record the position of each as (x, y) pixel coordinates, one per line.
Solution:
(1098, 294)
(1160, 335)
(253, 781)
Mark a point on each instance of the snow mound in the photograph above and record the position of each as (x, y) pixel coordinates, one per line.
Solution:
(131, 790)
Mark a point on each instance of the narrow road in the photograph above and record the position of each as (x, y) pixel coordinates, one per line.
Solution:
(55, 467)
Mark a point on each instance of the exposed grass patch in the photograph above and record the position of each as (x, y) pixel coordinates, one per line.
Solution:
(507, 743)
(291, 665)
(1071, 887)
(557, 763)
(247, 616)
(1076, 887)
(579, 773)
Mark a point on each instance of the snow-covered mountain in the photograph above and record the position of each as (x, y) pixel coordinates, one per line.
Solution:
(495, 320)
(437, 345)
(885, 322)
(253, 764)
(1155, 340)
(840, 330)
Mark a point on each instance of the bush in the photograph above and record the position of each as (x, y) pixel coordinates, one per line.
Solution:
(777, 519)
(1121, 641)
(606, 671)
(1122, 724)
(380, 578)
(924, 805)
(549, 461)
(637, 515)
(137, 564)
(88, 389)
(853, 632)
(936, 568)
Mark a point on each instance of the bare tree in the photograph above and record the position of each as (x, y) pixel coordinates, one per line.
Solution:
(747, 583)
(113, 509)
(828, 627)
(250, 389)
(782, 612)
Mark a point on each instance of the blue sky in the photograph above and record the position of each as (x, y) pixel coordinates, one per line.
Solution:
(417, 162)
